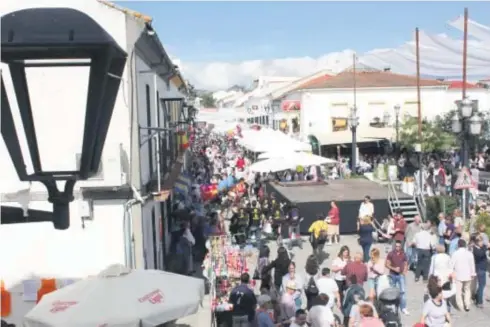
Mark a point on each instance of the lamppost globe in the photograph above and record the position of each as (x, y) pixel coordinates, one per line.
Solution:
(386, 117)
(456, 124)
(466, 108)
(353, 118)
(475, 125)
(397, 109)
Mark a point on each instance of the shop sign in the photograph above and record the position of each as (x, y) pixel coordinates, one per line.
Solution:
(290, 105)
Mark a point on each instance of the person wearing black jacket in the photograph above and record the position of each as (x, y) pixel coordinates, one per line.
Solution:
(280, 266)
(481, 262)
(244, 302)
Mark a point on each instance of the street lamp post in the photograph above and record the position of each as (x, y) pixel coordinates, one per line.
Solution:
(353, 123)
(466, 123)
(41, 37)
(397, 126)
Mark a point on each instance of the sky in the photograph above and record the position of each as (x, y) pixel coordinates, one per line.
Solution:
(227, 42)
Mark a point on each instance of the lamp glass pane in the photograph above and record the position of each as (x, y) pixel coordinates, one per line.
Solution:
(475, 125)
(456, 126)
(58, 97)
(466, 110)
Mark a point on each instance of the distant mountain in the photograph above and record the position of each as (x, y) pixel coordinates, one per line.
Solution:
(237, 88)
(200, 93)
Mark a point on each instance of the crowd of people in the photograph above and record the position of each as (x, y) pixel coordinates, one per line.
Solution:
(452, 266)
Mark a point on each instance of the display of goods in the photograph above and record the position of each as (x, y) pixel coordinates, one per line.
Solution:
(209, 192)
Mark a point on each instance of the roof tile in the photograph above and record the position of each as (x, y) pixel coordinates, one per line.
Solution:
(371, 79)
(127, 11)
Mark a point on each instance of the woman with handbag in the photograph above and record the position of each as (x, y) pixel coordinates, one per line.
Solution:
(318, 235)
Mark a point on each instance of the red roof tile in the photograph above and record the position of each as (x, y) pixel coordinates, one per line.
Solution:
(314, 81)
(371, 79)
(459, 85)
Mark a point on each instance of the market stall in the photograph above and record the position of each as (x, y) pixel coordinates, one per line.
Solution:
(223, 267)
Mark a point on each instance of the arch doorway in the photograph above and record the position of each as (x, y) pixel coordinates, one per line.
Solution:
(315, 145)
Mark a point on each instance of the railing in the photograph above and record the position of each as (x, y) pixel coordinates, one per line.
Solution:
(418, 196)
(393, 194)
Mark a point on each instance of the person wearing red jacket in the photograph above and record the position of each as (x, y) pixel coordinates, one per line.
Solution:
(334, 223)
(400, 225)
(240, 163)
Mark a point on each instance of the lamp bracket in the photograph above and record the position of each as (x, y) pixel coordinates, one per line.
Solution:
(61, 202)
(152, 132)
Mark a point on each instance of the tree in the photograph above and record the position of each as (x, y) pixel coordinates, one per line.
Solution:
(434, 137)
(444, 122)
(207, 100)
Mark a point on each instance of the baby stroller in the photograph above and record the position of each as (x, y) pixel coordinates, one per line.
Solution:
(293, 236)
(388, 307)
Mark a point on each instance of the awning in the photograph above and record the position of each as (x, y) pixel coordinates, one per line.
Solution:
(365, 134)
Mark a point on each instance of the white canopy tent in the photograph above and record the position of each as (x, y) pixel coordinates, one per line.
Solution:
(271, 165)
(289, 161)
(119, 297)
(302, 158)
(440, 55)
(266, 140)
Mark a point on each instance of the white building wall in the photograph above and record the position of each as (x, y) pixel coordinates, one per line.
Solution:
(151, 213)
(319, 106)
(37, 250)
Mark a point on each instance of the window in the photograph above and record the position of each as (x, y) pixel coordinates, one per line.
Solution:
(339, 124)
(163, 142)
(148, 124)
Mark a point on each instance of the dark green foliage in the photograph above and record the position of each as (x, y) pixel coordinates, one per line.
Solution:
(438, 204)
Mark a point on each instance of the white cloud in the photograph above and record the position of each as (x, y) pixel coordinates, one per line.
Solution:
(221, 75)
(440, 56)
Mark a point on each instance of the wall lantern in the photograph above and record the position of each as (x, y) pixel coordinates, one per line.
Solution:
(58, 37)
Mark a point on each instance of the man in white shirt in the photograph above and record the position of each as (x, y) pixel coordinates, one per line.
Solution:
(463, 265)
(423, 243)
(320, 314)
(366, 209)
(328, 285)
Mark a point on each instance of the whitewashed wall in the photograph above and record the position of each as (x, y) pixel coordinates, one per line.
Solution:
(319, 106)
(58, 97)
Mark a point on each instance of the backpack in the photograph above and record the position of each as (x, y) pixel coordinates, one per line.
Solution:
(311, 288)
(353, 295)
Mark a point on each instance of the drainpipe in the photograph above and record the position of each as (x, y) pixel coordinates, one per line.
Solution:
(129, 244)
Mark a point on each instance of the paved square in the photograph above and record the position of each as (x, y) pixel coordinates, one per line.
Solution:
(474, 318)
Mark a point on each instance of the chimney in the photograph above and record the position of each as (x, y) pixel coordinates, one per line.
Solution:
(387, 69)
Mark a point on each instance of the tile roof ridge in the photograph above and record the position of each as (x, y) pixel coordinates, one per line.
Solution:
(127, 11)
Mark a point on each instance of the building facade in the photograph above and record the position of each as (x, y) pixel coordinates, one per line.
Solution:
(141, 160)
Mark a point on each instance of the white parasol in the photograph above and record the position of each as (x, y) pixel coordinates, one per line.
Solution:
(120, 297)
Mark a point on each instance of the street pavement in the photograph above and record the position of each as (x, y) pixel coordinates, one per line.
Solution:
(415, 292)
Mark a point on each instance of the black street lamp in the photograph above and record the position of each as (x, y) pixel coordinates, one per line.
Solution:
(397, 123)
(466, 123)
(397, 127)
(30, 38)
(353, 123)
